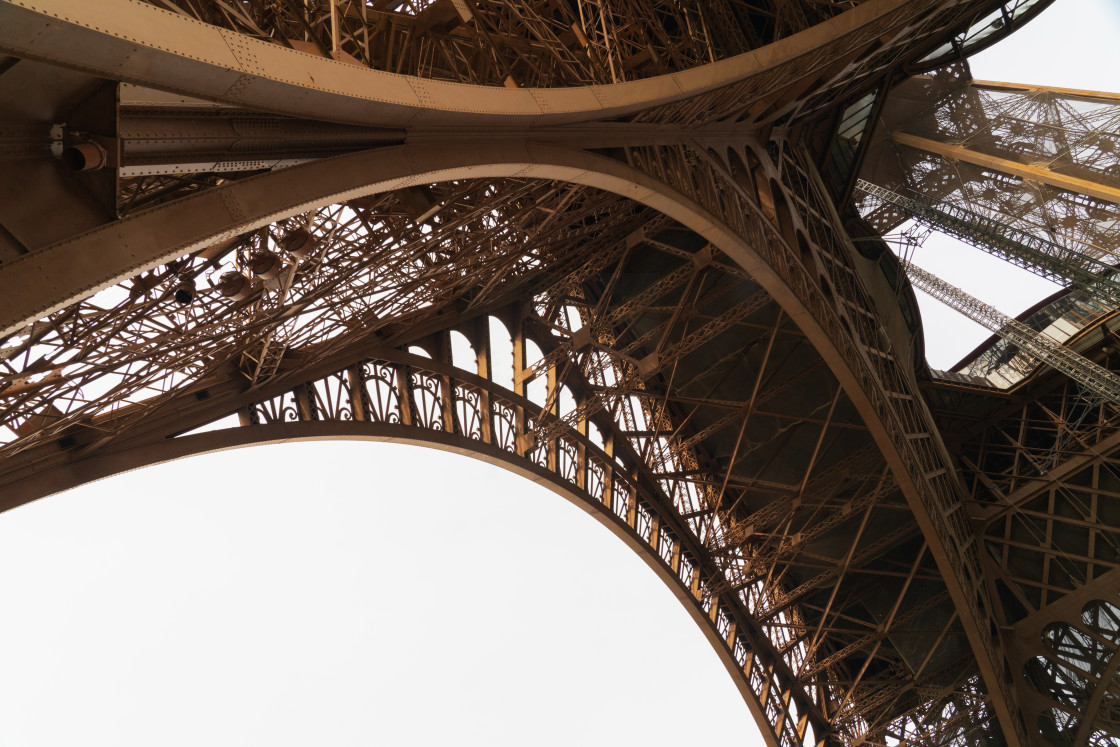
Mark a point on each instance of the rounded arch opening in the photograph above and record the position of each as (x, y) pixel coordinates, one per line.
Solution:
(303, 515)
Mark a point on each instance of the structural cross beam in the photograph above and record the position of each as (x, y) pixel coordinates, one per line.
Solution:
(1032, 172)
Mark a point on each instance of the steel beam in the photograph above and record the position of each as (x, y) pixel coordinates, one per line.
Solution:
(137, 42)
(1031, 172)
(1073, 93)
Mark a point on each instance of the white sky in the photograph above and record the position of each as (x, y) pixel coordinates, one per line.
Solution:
(344, 594)
(340, 593)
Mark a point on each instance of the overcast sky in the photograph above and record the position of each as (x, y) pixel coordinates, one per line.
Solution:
(345, 593)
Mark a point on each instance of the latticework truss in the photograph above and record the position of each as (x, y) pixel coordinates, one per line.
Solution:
(588, 241)
(1037, 159)
(1042, 478)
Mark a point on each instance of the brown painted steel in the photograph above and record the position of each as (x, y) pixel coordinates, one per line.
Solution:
(133, 41)
(700, 355)
(1030, 172)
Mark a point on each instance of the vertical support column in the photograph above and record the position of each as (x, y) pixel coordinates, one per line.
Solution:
(336, 41)
(404, 390)
(552, 397)
(632, 509)
(764, 693)
(783, 700)
(802, 725)
(524, 444)
(581, 450)
(358, 401)
(608, 476)
(365, 29)
(632, 501)
(713, 613)
(304, 395)
(446, 387)
(483, 362)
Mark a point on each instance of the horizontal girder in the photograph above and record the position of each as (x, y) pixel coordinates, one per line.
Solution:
(1042, 160)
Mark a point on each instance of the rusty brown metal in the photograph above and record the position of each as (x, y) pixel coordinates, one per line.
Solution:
(626, 212)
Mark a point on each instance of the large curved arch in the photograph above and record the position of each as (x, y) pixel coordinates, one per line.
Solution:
(521, 548)
(879, 387)
(109, 254)
(570, 465)
(140, 43)
(78, 267)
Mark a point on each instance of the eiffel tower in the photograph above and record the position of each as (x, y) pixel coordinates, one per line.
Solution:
(616, 246)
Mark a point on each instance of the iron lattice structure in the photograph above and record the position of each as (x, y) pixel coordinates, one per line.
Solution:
(1097, 381)
(1041, 160)
(1061, 264)
(1031, 174)
(603, 244)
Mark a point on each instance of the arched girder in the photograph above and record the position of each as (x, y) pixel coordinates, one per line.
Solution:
(661, 552)
(399, 395)
(136, 42)
(760, 205)
(407, 398)
(804, 280)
